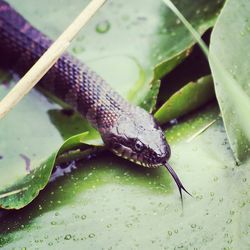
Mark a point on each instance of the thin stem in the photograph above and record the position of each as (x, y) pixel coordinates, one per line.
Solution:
(12, 193)
(76, 155)
(201, 130)
(48, 59)
(194, 33)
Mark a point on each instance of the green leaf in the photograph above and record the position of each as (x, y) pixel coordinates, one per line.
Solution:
(229, 62)
(130, 44)
(29, 145)
(193, 125)
(229, 71)
(33, 133)
(107, 202)
(195, 66)
(188, 98)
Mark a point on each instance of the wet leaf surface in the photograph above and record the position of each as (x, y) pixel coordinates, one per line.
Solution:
(34, 132)
(188, 98)
(107, 202)
(29, 145)
(131, 44)
(230, 47)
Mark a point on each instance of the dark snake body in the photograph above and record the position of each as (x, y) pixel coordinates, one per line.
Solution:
(127, 130)
(21, 45)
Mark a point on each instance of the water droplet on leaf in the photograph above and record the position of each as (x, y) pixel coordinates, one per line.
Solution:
(83, 217)
(103, 26)
(68, 237)
(92, 235)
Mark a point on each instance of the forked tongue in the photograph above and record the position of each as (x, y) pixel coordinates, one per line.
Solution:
(177, 180)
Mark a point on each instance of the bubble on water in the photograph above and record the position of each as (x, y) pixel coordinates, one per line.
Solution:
(103, 27)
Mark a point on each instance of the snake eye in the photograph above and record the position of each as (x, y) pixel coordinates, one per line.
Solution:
(138, 146)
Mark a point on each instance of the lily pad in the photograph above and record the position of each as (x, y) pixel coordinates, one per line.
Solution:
(34, 132)
(230, 67)
(107, 202)
(29, 150)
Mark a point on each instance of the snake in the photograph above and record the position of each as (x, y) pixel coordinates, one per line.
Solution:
(126, 129)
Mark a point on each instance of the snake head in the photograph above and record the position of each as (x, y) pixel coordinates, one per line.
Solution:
(137, 137)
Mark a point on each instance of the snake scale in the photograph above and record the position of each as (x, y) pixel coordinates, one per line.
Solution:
(127, 130)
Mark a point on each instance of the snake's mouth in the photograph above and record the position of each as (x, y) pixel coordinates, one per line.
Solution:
(128, 154)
